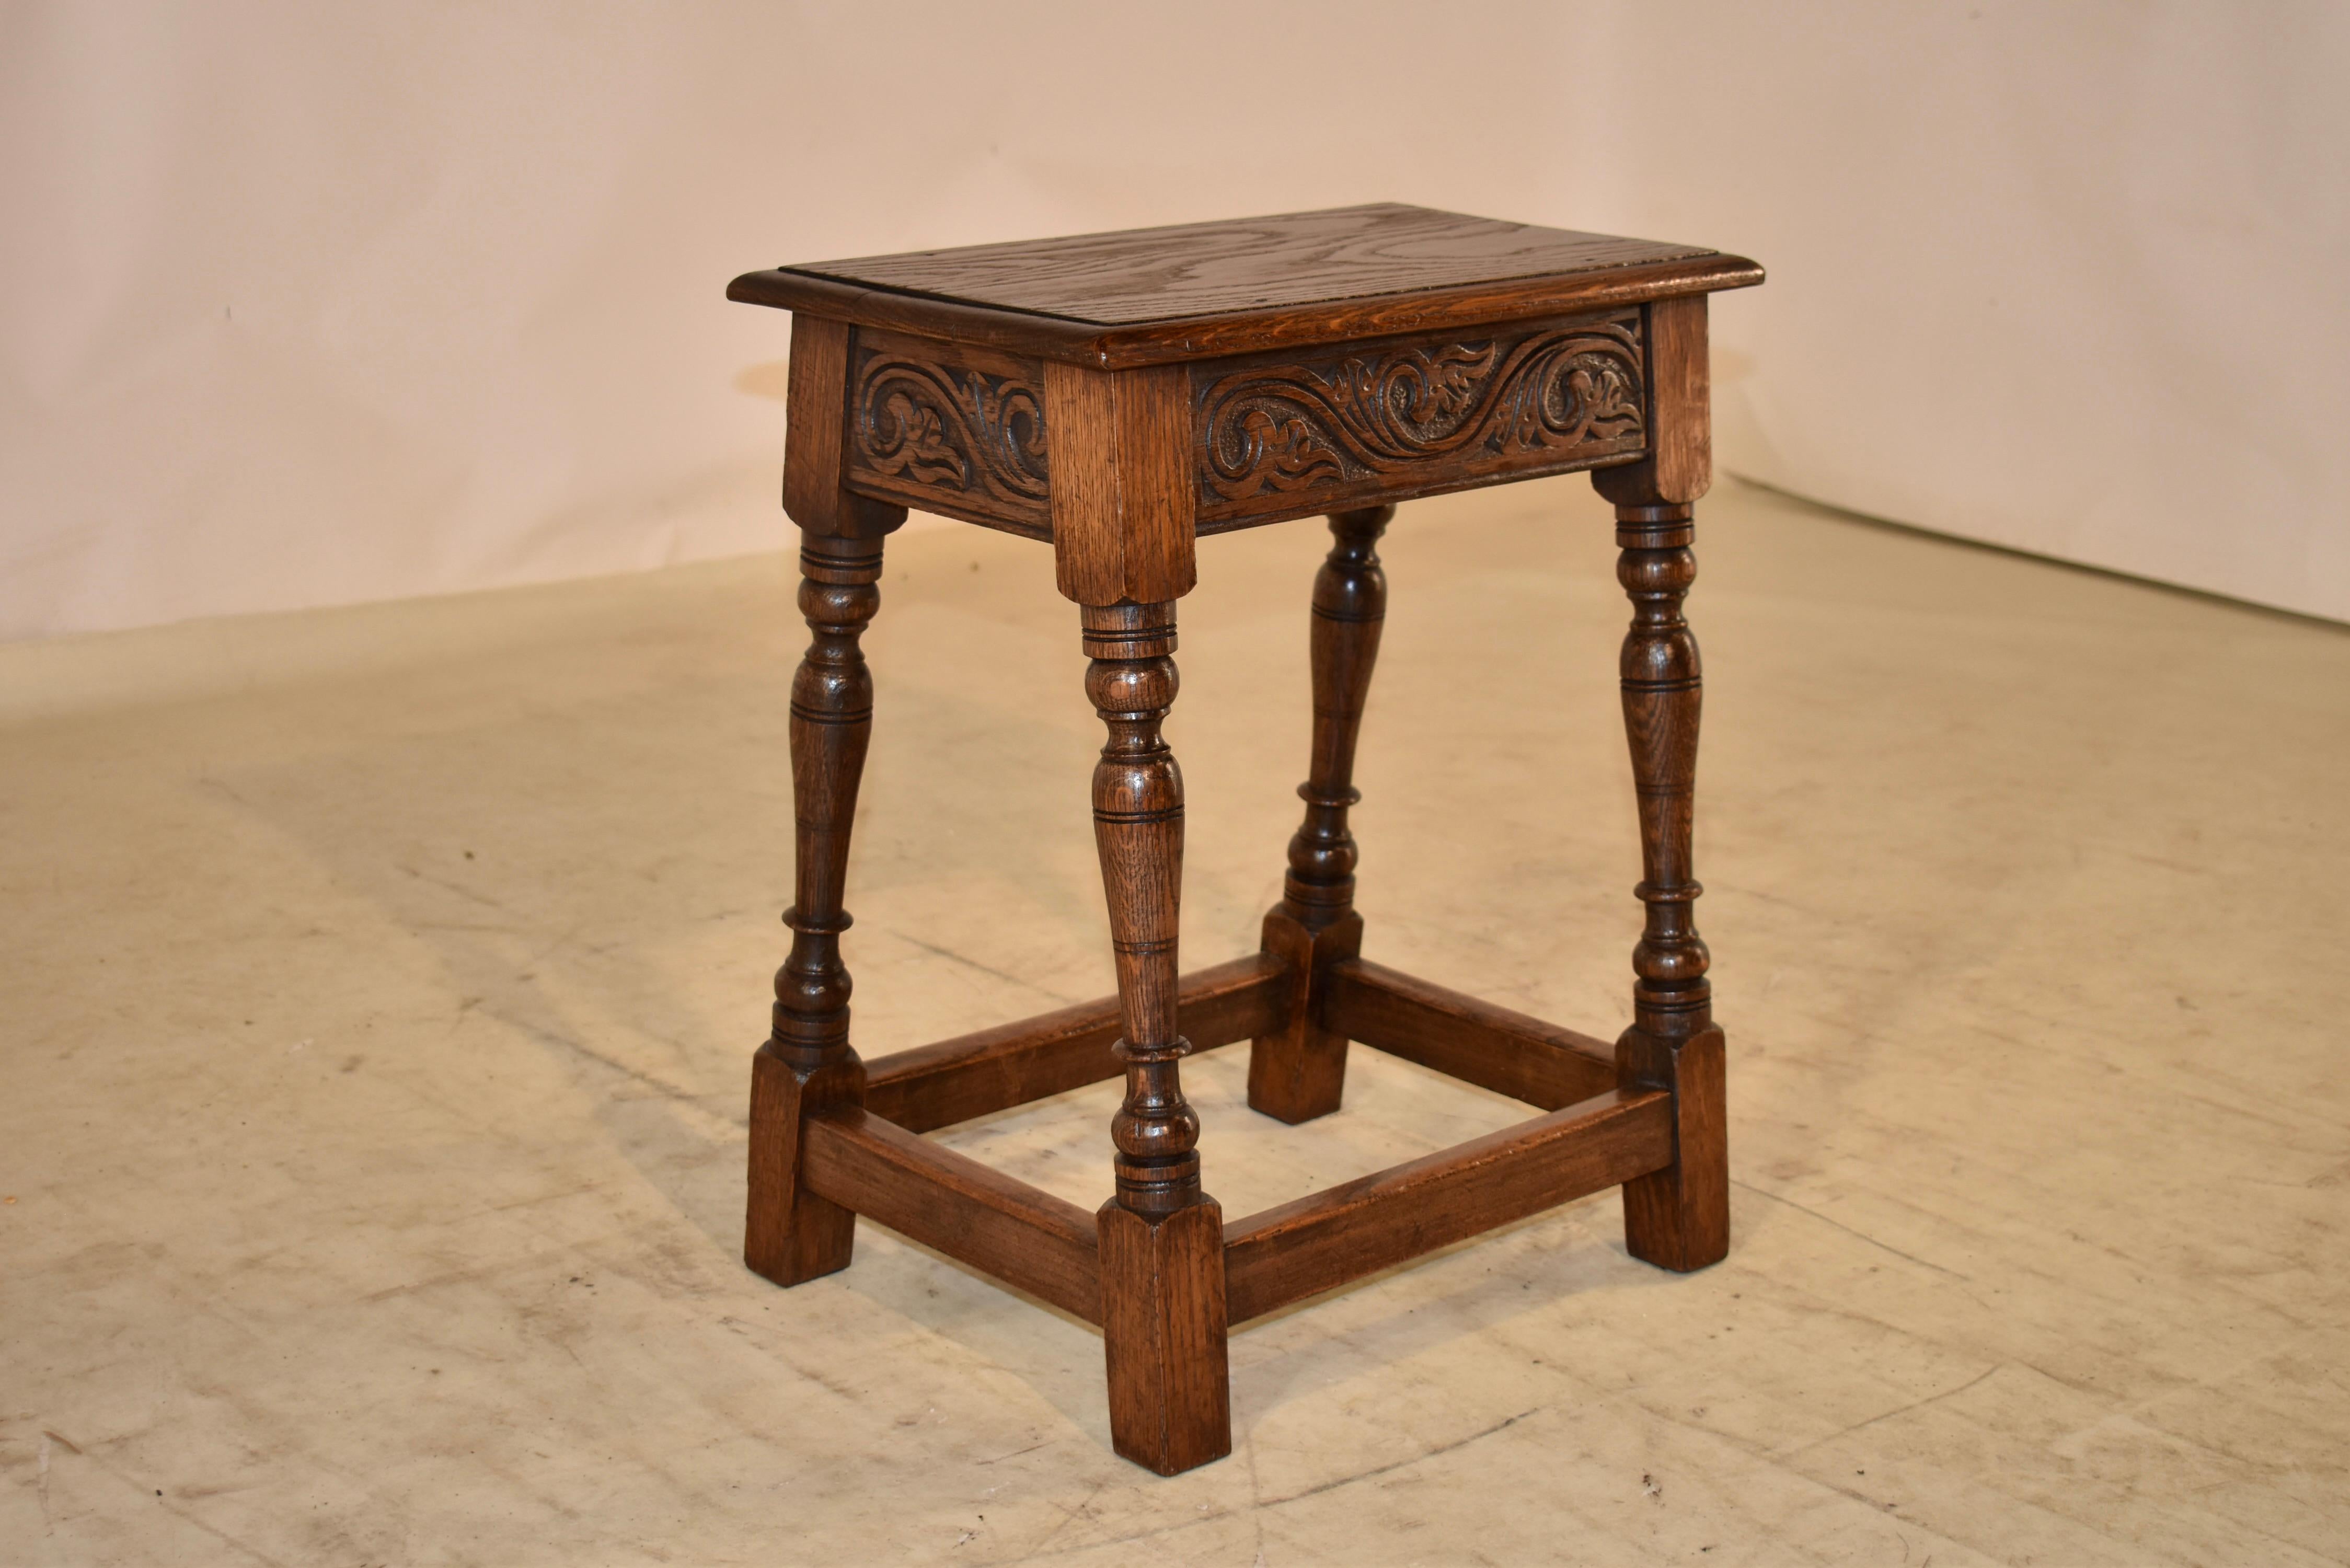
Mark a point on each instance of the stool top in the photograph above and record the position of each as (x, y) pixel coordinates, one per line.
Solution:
(1196, 291)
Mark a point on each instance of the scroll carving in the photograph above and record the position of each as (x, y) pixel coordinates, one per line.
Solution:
(961, 435)
(1300, 434)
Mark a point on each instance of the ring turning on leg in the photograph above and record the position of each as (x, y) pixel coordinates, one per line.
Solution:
(1677, 1218)
(790, 1234)
(1162, 1258)
(1301, 1073)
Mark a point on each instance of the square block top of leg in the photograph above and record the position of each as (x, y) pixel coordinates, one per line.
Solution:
(1200, 291)
(1122, 394)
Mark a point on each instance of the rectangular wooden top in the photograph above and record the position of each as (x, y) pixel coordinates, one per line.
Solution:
(1196, 291)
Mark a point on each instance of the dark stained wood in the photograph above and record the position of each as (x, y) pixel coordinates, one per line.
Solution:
(815, 439)
(1203, 291)
(966, 431)
(971, 1075)
(1678, 466)
(1297, 1068)
(1163, 1328)
(1138, 275)
(954, 429)
(1161, 1237)
(1137, 795)
(1282, 434)
(1028, 1239)
(1475, 1042)
(1249, 332)
(791, 1235)
(1121, 503)
(1677, 1218)
(1300, 1073)
(1357, 1228)
(1350, 606)
(1663, 695)
(1121, 395)
(1681, 453)
(814, 403)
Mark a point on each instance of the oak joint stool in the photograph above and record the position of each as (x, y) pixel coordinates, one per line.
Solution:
(1120, 396)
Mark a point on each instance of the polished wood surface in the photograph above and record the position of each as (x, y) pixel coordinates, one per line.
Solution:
(1121, 505)
(1463, 1037)
(1678, 1217)
(947, 1201)
(1120, 397)
(1676, 466)
(938, 1085)
(1160, 1236)
(1279, 435)
(1137, 795)
(817, 495)
(1163, 1328)
(941, 426)
(1202, 291)
(1300, 1072)
(1221, 268)
(1123, 471)
(808, 1066)
(1376, 1221)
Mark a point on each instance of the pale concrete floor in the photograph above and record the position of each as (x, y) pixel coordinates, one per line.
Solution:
(380, 986)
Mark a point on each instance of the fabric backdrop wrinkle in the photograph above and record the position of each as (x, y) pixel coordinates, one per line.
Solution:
(309, 305)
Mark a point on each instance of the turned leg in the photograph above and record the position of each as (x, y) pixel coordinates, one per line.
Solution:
(792, 1235)
(1678, 1217)
(1162, 1259)
(1301, 1073)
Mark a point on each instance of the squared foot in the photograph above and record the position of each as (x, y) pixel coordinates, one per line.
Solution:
(1163, 1326)
(789, 1234)
(1301, 1073)
(1678, 1218)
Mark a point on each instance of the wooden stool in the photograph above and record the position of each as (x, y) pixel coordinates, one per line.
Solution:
(1118, 396)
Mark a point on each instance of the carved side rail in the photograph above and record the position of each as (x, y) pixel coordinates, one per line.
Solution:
(949, 428)
(964, 430)
(1283, 435)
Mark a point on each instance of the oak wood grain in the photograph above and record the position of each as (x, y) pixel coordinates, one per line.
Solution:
(992, 1069)
(790, 1234)
(928, 1193)
(1137, 275)
(1367, 423)
(1204, 291)
(951, 428)
(1681, 398)
(1163, 1335)
(816, 406)
(1121, 395)
(1137, 796)
(1476, 1041)
(1300, 1072)
(1676, 467)
(1121, 503)
(1678, 1217)
(1357, 1228)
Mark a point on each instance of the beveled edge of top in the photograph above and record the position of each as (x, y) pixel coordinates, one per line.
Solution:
(1217, 335)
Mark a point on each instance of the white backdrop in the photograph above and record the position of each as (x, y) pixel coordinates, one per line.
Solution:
(304, 305)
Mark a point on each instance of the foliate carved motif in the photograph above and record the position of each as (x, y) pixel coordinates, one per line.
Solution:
(1554, 397)
(955, 436)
